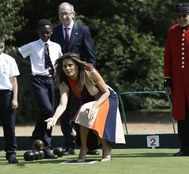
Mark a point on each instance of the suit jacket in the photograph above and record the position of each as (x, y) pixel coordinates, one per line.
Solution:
(176, 67)
(81, 41)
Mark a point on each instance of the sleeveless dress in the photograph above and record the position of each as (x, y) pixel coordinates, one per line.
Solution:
(107, 121)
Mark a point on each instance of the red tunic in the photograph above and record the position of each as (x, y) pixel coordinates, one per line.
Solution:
(176, 66)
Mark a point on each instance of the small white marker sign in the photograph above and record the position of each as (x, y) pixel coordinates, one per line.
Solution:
(153, 141)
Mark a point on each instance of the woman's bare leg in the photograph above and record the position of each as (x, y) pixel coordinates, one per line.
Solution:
(106, 150)
(83, 137)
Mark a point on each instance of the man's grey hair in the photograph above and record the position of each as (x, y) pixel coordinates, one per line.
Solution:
(63, 4)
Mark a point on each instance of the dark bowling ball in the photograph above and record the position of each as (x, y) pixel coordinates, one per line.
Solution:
(29, 156)
(38, 145)
(58, 151)
(36, 154)
(41, 154)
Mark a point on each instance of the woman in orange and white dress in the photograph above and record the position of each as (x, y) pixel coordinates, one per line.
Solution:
(93, 104)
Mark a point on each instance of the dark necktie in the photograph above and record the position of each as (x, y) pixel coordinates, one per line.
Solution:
(48, 63)
(66, 39)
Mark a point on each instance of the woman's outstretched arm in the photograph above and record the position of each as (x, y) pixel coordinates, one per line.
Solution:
(64, 92)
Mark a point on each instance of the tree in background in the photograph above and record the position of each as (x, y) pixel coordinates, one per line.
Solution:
(129, 60)
(10, 19)
(128, 42)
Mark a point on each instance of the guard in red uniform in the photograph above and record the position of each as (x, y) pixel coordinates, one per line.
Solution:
(176, 73)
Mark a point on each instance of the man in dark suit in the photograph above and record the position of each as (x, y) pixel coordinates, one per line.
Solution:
(73, 36)
(76, 38)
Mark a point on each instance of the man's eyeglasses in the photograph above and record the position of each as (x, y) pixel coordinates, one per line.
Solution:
(65, 13)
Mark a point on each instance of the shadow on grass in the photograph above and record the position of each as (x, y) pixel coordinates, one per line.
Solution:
(52, 161)
(148, 154)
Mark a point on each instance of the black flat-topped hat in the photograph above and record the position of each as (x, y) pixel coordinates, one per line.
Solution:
(182, 8)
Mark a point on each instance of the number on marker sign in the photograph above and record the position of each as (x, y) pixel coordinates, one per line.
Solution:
(153, 141)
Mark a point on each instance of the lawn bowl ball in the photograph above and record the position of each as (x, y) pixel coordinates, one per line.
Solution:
(38, 145)
(58, 151)
(41, 154)
(36, 154)
(29, 156)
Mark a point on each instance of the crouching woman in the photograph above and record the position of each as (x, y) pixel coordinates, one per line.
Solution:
(91, 102)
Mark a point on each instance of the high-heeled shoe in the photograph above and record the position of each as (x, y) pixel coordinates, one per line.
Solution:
(106, 152)
(80, 160)
(82, 156)
(106, 158)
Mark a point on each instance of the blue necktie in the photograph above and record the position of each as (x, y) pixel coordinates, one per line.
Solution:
(66, 39)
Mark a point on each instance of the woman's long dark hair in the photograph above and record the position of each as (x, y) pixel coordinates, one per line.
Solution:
(60, 75)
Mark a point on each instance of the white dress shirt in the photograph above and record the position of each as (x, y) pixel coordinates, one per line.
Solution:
(35, 51)
(8, 68)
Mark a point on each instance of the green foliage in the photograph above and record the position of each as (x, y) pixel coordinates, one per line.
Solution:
(133, 60)
(9, 18)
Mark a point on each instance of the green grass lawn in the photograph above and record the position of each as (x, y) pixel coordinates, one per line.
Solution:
(124, 161)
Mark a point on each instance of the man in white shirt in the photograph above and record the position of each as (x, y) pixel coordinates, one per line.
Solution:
(43, 54)
(8, 102)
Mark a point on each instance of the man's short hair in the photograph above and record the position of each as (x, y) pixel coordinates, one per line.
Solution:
(67, 4)
(43, 22)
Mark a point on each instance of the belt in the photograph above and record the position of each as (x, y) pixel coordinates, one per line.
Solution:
(43, 77)
(2, 91)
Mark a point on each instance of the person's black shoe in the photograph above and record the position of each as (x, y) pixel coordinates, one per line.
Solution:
(181, 153)
(48, 154)
(93, 152)
(69, 151)
(12, 159)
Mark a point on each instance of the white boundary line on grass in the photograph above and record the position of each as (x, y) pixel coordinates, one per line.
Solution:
(75, 162)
